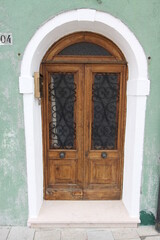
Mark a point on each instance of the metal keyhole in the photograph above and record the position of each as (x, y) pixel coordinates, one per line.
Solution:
(103, 154)
(62, 155)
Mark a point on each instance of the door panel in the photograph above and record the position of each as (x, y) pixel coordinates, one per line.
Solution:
(103, 129)
(63, 133)
(64, 171)
(83, 130)
(103, 171)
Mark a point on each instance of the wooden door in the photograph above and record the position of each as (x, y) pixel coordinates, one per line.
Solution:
(63, 131)
(104, 131)
(83, 112)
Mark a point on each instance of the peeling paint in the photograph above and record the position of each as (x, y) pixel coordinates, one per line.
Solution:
(9, 140)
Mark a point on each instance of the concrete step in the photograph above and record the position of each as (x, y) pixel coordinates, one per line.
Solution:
(83, 214)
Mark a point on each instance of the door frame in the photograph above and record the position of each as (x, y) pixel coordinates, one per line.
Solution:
(83, 66)
(138, 87)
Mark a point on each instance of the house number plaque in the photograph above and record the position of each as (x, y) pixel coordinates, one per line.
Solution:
(5, 38)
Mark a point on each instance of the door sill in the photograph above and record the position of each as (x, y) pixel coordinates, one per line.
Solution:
(83, 214)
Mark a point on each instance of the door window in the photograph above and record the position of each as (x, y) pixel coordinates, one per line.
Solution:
(105, 99)
(62, 97)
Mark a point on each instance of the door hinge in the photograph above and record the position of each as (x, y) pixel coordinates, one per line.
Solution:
(38, 86)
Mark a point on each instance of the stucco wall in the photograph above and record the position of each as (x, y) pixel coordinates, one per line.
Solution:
(22, 19)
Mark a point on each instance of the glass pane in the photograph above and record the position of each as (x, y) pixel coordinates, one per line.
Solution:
(62, 96)
(105, 96)
(84, 48)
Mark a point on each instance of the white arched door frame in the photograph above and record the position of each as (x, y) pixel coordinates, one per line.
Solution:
(137, 90)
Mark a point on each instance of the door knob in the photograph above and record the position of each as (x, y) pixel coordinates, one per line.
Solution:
(103, 154)
(62, 155)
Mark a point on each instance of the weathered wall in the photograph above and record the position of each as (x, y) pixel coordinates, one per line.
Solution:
(23, 18)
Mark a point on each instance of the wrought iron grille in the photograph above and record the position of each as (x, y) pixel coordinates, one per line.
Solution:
(84, 48)
(62, 97)
(105, 97)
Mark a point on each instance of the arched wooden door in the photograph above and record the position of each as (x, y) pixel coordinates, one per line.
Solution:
(83, 113)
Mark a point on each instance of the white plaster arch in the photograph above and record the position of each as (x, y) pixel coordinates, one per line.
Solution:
(137, 90)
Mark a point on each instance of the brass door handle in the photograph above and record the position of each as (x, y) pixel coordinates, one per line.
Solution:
(62, 155)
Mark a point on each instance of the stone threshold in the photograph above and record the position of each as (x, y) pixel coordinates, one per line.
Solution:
(77, 214)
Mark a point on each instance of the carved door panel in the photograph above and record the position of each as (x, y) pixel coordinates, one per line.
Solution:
(83, 129)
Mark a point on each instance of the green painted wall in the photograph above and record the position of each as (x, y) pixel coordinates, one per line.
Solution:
(23, 18)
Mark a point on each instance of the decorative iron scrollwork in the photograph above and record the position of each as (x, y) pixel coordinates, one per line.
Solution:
(62, 96)
(84, 49)
(105, 97)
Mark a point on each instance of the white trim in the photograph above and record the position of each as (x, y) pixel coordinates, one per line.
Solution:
(137, 90)
(26, 84)
(139, 87)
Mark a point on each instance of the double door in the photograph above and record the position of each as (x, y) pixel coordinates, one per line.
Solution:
(83, 112)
